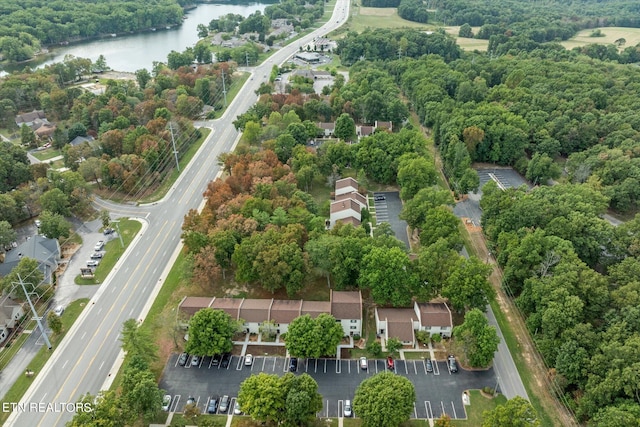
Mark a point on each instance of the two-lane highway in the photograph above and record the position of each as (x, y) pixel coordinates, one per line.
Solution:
(85, 358)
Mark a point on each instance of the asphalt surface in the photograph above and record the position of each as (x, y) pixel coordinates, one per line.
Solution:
(388, 210)
(89, 355)
(436, 393)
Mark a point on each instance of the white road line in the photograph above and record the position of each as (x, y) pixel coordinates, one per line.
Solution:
(43, 396)
(65, 363)
(274, 364)
(102, 364)
(131, 313)
(99, 310)
(427, 408)
(415, 410)
(454, 410)
(442, 406)
(325, 366)
(415, 368)
(144, 289)
(82, 337)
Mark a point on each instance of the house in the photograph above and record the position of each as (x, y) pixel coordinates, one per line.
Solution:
(345, 211)
(401, 323)
(34, 119)
(45, 131)
(45, 251)
(363, 130)
(10, 313)
(326, 129)
(357, 197)
(345, 306)
(346, 185)
(396, 323)
(322, 44)
(383, 125)
(80, 139)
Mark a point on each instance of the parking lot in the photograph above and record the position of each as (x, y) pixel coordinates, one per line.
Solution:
(388, 207)
(436, 393)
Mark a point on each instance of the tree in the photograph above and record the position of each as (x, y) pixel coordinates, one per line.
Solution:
(307, 337)
(542, 168)
(517, 412)
(210, 332)
(465, 31)
(388, 274)
(55, 201)
(386, 399)
(53, 225)
(479, 340)
(105, 411)
(138, 341)
(415, 174)
(393, 345)
(345, 128)
(32, 277)
(262, 398)
(27, 136)
(467, 285)
(7, 234)
(415, 210)
(105, 217)
(441, 223)
(302, 400)
(54, 322)
(143, 77)
(140, 396)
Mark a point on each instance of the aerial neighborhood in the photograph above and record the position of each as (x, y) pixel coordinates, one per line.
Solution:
(371, 213)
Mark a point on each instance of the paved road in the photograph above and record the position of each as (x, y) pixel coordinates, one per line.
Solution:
(86, 357)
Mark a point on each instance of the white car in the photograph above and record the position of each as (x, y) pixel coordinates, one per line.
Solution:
(248, 360)
(166, 402)
(93, 263)
(236, 409)
(347, 408)
(37, 222)
(98, 247)
(363, 363)
(58, 310)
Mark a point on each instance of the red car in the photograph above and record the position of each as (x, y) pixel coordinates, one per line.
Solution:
(390, 364)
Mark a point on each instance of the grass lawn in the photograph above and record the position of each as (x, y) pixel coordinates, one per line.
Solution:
(184, 161)
(18, 389)
(479, 404)
(611, 34)
(374, 17)
(417, 355)
(47, 154)
(232, 91)
(129, 229)
(211, 420)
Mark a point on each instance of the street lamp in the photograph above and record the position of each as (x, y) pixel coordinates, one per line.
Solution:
(117, 223)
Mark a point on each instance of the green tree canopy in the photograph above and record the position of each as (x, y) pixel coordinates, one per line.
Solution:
(386, 399)
(517, 412)
(387, 272)
(313, 338)
(53, 225)
(479, 340)
(138, 341)
(210, 332)
(467, 286)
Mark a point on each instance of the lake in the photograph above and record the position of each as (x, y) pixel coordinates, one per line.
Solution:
(135, 51)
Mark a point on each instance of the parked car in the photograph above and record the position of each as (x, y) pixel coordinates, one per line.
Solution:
(97, 255)
(195, 360)
(224, 404)
(390, 363)
(93, 263)
(59, 310)
(429, 365)
(98, 247)
(216, 360)
(453, 366)
(379, 198)
(212, 407)
(293, 364)
(166, 402)
(226, 358)
(248, 360)
(191, 400)
(236, 408)
(347, 408)
(182, 360)
(363, 363)
(37, 222)
(107, 231)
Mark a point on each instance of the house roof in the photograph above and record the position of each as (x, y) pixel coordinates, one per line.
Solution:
(435, 314)
(353, 195)
(80, 139)
(284, 311)
(384, 125)
(255, 310)
(365, 130)
(343, 205)
(30, 117)
(228, 305)
(350, 220)
(399, 322)
(326, 125)
(315, 308)
(45, 129)
(346, 182)
(37, 247)
(346, 305)
(191, 305)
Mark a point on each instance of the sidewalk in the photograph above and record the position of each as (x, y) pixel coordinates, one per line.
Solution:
(66, 292)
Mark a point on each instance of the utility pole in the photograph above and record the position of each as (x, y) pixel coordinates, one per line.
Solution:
(246, 55)
(224, 89)
(117, 223)
(399, 52)
(173, 141)
(33, 311)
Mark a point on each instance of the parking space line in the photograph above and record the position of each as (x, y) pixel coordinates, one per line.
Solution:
(273, 369)
(239, 364)
(285, 367)
(327, 408)
(315, 369)
(406, 371)
(424, 366)
(338, 366)
(427, 407)
(211, 362)
(436, 368)
(174, 404)
(415, 368)
(454, 410)
(264, 360)
(349, 365)
(325, 365)
(340, 410)
(415, 410)
(442, 406)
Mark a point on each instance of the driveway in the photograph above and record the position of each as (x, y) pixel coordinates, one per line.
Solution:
(388, 210)
(436, 393)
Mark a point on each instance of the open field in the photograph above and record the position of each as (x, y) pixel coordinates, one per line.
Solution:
(468, 44)
(611, 34)
(374, 17)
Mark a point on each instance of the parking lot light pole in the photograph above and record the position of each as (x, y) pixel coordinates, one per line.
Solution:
(117, 223)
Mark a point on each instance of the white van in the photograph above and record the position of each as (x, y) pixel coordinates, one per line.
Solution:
(347, 408)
